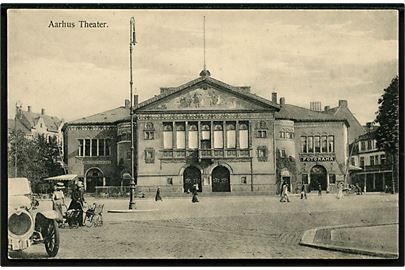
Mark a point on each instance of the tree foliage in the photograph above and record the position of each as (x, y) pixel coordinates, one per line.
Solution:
(37, 158)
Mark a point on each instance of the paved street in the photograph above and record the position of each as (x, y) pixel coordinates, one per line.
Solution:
(219, 227)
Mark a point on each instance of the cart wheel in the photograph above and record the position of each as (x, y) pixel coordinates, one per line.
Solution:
(88, 221)
(98, 220)
(51, 238)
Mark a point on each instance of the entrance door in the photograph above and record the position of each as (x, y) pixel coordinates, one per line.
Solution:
(221, 179)
(191, 176)
(94, 178)
(318, 177)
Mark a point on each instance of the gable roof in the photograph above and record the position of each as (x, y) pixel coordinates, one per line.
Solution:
(11, 126)
(292, 112)
(242, 91)
(344, 112)
(107, 117)
(27, 120)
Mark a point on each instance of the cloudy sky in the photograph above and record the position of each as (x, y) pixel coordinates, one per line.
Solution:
(305, 55)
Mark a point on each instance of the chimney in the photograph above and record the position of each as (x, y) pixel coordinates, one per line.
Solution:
(136, 101)
(315, 106)
(43, 111)
(282, 100)
(29, 108)
(343, 103)
(327, 108)
(127, 104)
(369, 126)
(274, 97)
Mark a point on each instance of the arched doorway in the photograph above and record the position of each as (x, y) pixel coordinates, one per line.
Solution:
(94, 178)
(318, 177)
(221, 179)
(191, 176)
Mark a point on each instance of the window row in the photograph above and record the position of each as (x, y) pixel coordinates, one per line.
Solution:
(373, 160)
(286, 135)
(94, 147)
(217, 139)
(367, 145)
(318, 144)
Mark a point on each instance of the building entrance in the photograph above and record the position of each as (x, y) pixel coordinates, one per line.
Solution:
(191, 176)
(318, 177)
(94, 178)
(221, 180)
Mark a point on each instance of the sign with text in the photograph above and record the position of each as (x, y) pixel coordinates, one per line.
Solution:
(315, 158)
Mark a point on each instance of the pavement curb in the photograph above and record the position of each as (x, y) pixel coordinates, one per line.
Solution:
(308, 239)
(131, 211)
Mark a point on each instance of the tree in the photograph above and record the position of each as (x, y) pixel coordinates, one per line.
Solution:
(387, 135)
(36, 158)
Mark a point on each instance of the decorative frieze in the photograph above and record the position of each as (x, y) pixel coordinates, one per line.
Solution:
(200, 116)
(87, 127)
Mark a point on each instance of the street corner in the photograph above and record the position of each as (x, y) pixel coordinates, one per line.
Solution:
(377, 240)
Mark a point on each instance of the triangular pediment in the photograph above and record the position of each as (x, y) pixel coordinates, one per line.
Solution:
(207, 95)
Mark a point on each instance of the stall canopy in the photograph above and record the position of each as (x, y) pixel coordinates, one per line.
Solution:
(66, 177)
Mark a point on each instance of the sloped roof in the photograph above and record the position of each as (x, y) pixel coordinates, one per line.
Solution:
(292, 112)
(239, 90)
(344, 112)
(20, 126)
(30, 119)
(107, 117)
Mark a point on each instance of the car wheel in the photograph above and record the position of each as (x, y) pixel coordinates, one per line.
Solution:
(51, 239)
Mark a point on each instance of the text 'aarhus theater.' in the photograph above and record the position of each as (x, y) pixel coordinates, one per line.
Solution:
(223, 138)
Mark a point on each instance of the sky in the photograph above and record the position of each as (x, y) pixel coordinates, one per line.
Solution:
(303, 55)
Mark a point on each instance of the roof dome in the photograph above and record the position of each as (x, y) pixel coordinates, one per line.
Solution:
(205, 73)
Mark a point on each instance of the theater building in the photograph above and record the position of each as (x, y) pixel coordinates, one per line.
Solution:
(221, 137)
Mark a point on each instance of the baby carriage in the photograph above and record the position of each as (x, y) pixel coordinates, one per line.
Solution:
(71, 217)
(94, 215)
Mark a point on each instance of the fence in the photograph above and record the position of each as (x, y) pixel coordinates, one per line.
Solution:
(115, 191)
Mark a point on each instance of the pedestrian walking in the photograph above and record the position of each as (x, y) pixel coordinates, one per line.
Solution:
(284, 193)
(158, 197)
(303, 191)
(340, 191)
(58, 200)
(77, 202)
(319, 190)
(194, 191)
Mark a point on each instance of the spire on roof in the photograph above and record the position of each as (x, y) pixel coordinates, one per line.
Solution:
(204, 72)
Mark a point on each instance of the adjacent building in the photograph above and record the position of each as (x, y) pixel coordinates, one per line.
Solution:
(221, 137)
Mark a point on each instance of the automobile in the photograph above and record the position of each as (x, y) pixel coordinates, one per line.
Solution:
(27, 224)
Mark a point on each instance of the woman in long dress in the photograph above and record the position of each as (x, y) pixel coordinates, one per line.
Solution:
(58, 200)
(195, 195)
(340, 191)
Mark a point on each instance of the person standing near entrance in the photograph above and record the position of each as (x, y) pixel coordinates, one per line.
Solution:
(319, 190)
(194, 191)
(340, 191)
(284, 193)
(303, 191)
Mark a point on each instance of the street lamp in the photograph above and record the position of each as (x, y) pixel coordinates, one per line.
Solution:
(132, 43)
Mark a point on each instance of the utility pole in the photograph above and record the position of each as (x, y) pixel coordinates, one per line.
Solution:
(132, 43)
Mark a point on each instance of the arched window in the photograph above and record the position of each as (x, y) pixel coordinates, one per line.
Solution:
(218, 136)
(205, 132)
(180, 136)
(192, 136)
(230, 136)
(243, 136)
(167, 136)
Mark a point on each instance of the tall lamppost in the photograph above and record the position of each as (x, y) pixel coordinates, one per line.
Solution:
(17, 116)
(132, 43)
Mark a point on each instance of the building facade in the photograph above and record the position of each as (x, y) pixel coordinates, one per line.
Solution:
(220, 137)
(374, 171)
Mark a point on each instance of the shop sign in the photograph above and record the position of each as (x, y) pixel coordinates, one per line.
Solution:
(316, 158)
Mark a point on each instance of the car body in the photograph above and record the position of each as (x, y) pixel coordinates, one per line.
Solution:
(27, 225)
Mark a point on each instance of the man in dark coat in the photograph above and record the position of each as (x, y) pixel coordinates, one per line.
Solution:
(77, 202)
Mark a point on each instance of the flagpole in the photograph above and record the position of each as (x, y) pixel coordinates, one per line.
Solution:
(133, 172)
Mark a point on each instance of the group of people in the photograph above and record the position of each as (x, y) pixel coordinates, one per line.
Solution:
(284, 191)
(76, 204)
(194, 192)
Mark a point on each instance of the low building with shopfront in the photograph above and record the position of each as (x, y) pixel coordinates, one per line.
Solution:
(206, 133)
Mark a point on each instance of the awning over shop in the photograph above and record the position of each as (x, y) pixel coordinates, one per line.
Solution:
(66, 177)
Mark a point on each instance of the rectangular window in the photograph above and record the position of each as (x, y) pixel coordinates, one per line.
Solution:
(107, 147)
(331, 144)
(262, 153)
(87, 147)
(382, 158)
(377, 161)
(81, 149)
(305, 179)
(169, 181)
(101, 147)
(369, 145)
(324, 144)
(243, 180)
(371, 160)
(129, 154)
(363, 146)
(362, 162)
(332, 178)
(149, 156)
(282, 134)
(310, 144)
(317, 142)
(149, 135)
(352, 161)
(303, 144)
(94, 147)
(262, 134)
